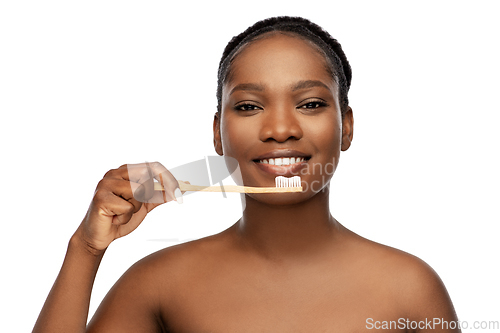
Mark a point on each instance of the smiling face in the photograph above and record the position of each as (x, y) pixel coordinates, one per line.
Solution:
(280, 106)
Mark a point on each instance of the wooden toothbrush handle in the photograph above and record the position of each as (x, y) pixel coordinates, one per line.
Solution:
(231, 188)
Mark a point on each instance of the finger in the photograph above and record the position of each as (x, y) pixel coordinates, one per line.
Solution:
(149, 184)
(109, 205)
(144, 174)
(168, 181)
(122, 219)
(141, 178)
(145, 179)
(145, 190)
(123, 189)
(139, 191)
(137, 173)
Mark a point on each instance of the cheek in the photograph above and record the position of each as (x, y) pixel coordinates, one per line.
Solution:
(235, 136)
(326, 135)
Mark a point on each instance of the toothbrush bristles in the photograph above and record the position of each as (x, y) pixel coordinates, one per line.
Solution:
(294, 181)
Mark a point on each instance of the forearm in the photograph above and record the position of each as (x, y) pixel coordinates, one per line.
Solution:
(67, 305)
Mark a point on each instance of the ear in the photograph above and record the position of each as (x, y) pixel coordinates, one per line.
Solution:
(217, 139)
(347, 129)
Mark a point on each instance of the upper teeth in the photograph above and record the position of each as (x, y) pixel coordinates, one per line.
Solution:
(282, 160)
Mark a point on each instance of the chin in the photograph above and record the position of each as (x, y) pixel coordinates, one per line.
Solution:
(285, 199)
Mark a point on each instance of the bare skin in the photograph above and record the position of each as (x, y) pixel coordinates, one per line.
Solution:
(287, 265)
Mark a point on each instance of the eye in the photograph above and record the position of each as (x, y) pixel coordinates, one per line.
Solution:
(313, 105)
(246, 107)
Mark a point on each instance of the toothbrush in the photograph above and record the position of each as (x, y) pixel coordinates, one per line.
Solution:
(283, 184)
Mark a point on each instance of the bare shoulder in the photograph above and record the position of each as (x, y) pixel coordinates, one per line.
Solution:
(138, 300)
(403, 268)
(416, 285)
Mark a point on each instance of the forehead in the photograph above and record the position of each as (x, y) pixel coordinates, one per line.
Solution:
(279, 60)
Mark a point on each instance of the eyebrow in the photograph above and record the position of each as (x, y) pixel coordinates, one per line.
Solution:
(304, 84)
(308, 84)
(247, 87)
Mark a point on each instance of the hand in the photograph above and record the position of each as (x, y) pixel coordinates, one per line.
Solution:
(122, 200)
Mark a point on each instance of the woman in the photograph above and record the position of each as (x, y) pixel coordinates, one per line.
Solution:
(286, 265)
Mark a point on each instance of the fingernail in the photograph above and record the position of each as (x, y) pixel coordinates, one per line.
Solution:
(178, 195)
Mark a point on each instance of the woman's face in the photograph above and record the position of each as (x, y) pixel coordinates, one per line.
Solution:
(281, 106)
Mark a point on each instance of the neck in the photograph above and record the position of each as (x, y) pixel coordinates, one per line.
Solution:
(282, 232)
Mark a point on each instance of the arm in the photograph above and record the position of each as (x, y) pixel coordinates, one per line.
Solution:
(67, 304)
(121, 201)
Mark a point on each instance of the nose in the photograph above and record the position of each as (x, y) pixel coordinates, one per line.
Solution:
(280, 124)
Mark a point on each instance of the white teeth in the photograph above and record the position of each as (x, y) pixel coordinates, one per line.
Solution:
(282, 160)
(288, 182)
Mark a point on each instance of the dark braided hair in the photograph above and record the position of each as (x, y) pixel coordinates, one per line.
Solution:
(298, 27)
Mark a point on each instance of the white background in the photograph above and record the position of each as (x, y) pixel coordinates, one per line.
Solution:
(88, 86)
